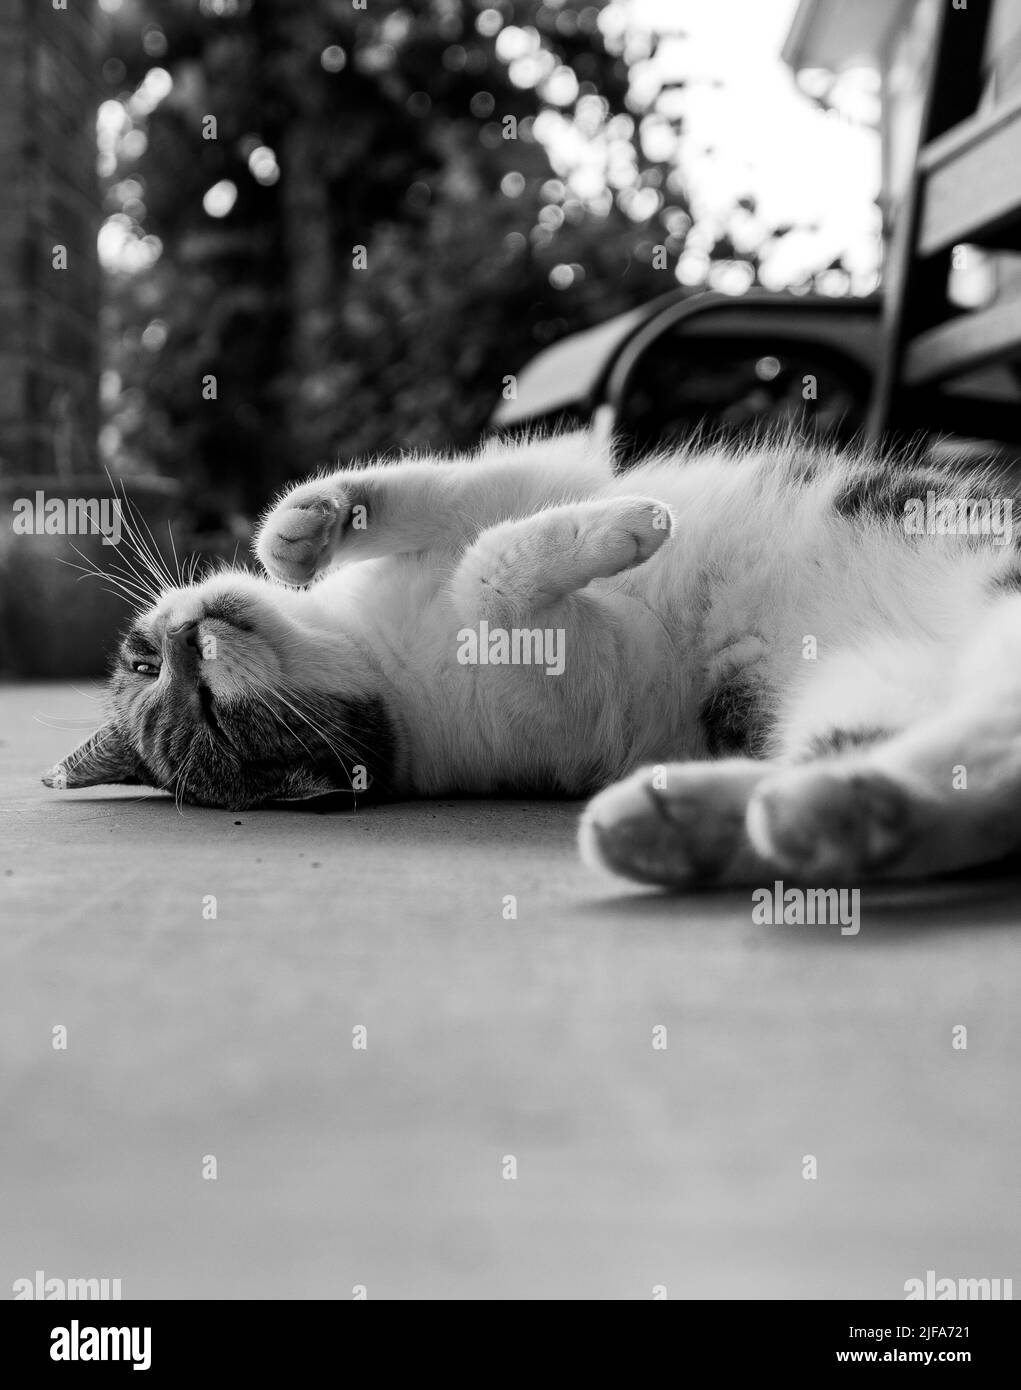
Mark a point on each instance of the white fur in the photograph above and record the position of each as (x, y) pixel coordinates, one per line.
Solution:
(543, 535)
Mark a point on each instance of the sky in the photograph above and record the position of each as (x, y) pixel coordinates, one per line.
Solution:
(750, 129)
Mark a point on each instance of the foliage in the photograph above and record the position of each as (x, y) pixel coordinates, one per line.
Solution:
(337, 128)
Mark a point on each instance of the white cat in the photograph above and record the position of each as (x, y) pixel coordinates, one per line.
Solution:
(792, 670)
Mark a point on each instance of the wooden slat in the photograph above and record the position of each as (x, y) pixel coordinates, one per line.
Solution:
(971, 191)
(972, 131)
(964, 343)
(914, 294)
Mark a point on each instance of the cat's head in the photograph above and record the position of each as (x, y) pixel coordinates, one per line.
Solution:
(222, 697)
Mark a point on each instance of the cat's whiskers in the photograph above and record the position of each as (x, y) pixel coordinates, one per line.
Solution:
(63, 721)
(179, 780)
(99, 695)
(150, 557)
(256, 688)
(147, 586)
(149, 591)
(298, 739)
(123, 587)
(125, 567)
(306, 698)
(177, 562)
(151, 566)
(342, 754)
(348, 749)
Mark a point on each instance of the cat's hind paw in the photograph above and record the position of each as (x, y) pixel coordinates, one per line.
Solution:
(833, 823)
(636, 529)
(678, 825)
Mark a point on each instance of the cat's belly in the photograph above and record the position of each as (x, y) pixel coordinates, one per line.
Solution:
(556, 713)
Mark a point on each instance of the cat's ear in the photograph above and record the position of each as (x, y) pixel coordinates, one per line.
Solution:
(105, 757)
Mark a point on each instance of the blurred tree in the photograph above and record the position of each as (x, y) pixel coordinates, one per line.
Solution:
(345, 216)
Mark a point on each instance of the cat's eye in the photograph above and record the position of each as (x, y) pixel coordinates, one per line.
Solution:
(145, 668)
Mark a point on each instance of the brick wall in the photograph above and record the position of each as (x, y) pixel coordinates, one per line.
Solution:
(49, 90)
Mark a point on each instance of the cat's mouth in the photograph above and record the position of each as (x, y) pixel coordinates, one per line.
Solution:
(207, 707)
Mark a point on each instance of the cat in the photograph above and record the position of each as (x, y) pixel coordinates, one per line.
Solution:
(758, 662)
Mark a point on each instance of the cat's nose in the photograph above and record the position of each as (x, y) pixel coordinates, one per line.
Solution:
(183, 636)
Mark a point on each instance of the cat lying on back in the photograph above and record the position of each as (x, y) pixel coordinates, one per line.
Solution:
(787, 677)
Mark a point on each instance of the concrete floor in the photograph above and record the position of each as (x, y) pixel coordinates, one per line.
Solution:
(486, 1037)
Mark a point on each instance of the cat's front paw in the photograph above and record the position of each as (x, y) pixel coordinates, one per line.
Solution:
(300, 535)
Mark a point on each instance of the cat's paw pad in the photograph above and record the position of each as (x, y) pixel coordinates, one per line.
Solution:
(676, 825)
(641, 526)
(832, 824)
(299, 537)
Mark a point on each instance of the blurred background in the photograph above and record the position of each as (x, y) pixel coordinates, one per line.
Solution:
(301, 232)
(508, 172)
